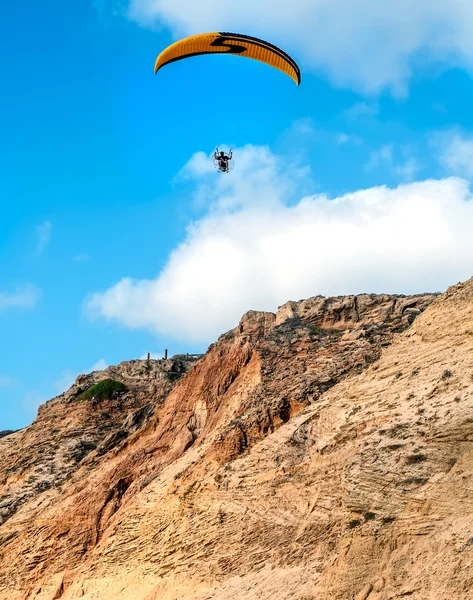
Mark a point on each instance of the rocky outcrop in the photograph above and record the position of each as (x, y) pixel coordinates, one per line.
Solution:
(305, 349)
(68, 429)
(321, 452)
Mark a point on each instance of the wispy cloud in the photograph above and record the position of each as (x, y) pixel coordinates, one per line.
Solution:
(108, 9)
(342, 138)
(345, 138)
(380, 157)
(408, 170)
(360, 110)
(303, 126)
(6, 381)
(367, 45)
(65, 381)
(81, 257)
(455, 152)
(68, 376)
(100, 365)
(253, 250)
(25, 297)
(33, 400)
(43, 233)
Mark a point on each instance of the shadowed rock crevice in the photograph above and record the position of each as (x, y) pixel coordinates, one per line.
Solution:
(111, 505)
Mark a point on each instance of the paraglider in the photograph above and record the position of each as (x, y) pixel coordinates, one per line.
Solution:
(223, 162)
(235, 44)
(230, 43)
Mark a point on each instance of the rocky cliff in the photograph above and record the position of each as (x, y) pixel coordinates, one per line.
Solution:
(323, 452)
(69, 427)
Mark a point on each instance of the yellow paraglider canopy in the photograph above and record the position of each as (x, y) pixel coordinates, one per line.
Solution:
(230, 43)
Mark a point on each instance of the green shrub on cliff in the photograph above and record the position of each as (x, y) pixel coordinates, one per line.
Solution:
(104, 390)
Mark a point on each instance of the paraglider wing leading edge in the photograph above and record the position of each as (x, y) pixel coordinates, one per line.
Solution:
(230, 43)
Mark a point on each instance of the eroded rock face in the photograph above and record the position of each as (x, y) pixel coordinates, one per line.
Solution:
(305, 349)
(320, 453)
(67, 429)
(344, 311)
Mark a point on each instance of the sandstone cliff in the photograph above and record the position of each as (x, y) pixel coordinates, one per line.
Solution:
(68, 428)
(324, 452)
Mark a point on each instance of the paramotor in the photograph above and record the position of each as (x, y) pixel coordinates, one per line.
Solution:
(223, 162)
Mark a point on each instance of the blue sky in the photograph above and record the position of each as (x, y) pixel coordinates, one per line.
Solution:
(118, 237)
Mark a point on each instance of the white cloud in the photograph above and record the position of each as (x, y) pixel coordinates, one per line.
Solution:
(255, 251)
(43, 233)
(456, 152)
(368, 44)
(256, 169)
(23, 297)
